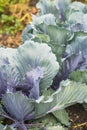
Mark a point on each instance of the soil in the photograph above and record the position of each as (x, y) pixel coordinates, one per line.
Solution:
(12, 41)
(78, 117)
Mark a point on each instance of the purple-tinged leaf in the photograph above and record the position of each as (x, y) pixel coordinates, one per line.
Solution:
(17, 106)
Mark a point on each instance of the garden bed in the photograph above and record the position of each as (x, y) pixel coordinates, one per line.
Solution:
(77, 114)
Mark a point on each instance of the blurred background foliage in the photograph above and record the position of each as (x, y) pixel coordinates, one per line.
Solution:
(83, 1)
(15, 14)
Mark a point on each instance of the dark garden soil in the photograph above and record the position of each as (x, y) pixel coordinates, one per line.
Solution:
(78, 117)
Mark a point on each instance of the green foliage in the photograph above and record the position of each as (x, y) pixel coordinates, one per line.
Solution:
(9, 23)
(62, 116)
(83, 1)
(79, 76)
(6, 2)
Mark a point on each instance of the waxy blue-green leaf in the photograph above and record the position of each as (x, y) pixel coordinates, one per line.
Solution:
(21, 108)
(46, 7)
(62, 6)
(56, 7)
(57, 41)
(17, 106)
(77, 52)
(77, 6)
(58, 127)
(30, 30)
(69, 93)
(77, 21)
(48, 19)
(76, 17)
(2, 127)
(79, 76)
(51, 34)
(9, 75)
(31, 55)
(25, 59)
(62, 116)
